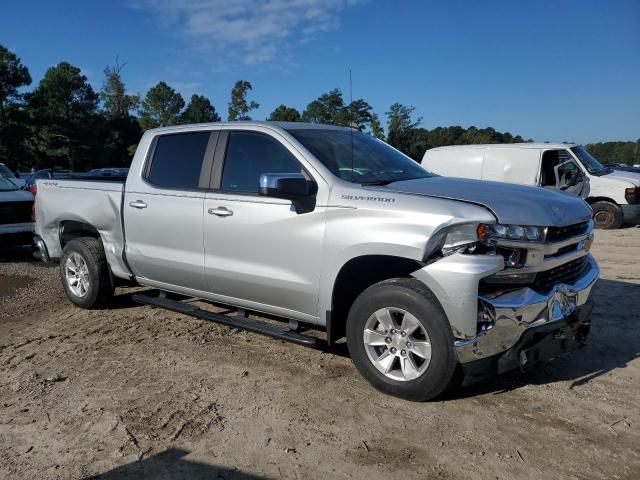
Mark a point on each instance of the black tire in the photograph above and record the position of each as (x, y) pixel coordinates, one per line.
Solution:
(414, 297)
(100, 289)
(607, 215)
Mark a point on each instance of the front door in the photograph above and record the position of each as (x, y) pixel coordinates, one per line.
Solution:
(561, 172)
(259, 251)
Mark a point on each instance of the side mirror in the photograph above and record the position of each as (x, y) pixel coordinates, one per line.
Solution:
(290, 186)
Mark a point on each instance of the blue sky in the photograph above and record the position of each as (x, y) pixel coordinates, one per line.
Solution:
(547, 70)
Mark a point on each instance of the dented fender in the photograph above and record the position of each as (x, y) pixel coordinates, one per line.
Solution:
(454, 281)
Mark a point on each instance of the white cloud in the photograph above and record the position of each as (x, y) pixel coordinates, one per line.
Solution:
(255, 31)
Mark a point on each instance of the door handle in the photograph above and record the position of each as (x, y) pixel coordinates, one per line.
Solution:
(138, 204)
(220, 212)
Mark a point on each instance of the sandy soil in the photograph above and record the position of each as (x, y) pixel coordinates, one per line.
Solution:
(136, 392)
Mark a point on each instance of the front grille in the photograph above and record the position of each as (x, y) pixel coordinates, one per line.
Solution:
(557, 234)
(567, 273)
(15, 212)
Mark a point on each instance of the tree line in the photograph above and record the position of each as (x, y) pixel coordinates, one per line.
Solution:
(616, 152)
(64, 123)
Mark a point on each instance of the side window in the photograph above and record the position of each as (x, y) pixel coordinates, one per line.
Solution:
(249, 155)
(177, 160)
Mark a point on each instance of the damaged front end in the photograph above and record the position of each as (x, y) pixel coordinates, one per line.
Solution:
(514, 296)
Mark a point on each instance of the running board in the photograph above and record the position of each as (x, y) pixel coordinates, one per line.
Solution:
(243, 323)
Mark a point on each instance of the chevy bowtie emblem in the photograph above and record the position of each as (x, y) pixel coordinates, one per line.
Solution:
(557, 212)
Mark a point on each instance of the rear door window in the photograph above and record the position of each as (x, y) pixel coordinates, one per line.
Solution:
(249, 155)
(177, 160)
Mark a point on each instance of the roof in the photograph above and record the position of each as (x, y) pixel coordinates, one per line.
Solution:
(283, 125)
(510, 145)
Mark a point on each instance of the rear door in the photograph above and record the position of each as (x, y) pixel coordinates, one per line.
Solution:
(163, 208)
(260, 252)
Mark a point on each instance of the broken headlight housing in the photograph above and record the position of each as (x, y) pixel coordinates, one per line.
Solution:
(489, 239)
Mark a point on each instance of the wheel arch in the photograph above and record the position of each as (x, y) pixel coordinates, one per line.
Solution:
(355, 276)
(592, 200)
(71, 229)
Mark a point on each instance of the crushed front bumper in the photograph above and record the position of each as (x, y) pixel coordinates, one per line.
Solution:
(529, 327)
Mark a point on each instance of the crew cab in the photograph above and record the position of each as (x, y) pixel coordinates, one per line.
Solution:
(613, 195)
(431, 280)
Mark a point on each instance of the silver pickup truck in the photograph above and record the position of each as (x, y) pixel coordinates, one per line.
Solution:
(432, 281)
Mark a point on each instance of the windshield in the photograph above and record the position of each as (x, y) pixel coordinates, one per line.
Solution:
(4, 170)
(6, 184)
(593, 166)
(357, 157)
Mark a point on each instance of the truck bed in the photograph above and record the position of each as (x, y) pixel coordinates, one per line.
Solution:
(69, 203)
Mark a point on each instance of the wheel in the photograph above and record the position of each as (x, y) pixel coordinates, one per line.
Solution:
(84, 273)
(400, 340)
(607, 215)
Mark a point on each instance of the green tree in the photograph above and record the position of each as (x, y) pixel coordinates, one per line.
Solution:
(376, 129)
(116, 103)
(358, 112)
(13, 131)
(616, 152)
(122, 130)
(160, 107)
(239, 108)
(199, 110)
(63, 110)
(282, 113)
(328, 109)
(401, 128)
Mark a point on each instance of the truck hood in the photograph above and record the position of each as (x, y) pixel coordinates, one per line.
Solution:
(631, 177)
(510, 204)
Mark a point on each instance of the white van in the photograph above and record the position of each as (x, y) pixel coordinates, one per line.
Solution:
(614, 196)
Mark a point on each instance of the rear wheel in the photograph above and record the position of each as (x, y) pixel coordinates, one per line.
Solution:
(400, 340)
(85, 274)
(607, 215)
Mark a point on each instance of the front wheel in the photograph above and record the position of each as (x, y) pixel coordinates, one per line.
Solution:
(400, 340)
(84, 273)
(607, 215)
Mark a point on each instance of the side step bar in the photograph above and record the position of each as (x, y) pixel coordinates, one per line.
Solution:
(243, 323)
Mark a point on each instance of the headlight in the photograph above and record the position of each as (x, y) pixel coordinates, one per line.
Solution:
(632, 195)
(457, 238)
(487, 231)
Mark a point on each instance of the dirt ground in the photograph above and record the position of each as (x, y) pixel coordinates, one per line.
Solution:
(136, 392)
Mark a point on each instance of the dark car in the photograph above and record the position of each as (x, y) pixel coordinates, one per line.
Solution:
(16, 214)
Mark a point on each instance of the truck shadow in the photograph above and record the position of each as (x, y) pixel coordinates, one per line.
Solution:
(171, 465)
(614, 342)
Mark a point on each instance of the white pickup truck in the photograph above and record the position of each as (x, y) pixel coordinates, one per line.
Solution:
(431, 280)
